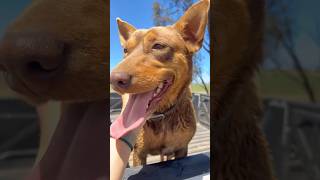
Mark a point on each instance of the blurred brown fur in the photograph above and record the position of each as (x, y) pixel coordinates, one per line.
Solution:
(239, 146)
(81, 25)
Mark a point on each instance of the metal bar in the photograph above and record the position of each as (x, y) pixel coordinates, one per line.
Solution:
(18, 153)
(20, 136)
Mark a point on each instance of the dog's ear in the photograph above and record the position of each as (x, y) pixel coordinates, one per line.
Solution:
(192, 25)
(125, 30)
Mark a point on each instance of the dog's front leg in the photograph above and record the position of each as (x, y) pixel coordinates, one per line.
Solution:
(181, 153)
(139, 158)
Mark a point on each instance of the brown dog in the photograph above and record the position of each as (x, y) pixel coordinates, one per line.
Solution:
(57, 50)
(239, 147)
(156, 73)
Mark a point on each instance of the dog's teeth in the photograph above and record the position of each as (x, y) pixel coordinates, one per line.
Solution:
(158, 90)
(161, 85)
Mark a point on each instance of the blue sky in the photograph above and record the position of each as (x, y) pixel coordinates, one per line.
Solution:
(138, 13)
(307, 47)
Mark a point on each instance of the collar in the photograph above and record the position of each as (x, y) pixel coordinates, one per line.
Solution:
(158, 116)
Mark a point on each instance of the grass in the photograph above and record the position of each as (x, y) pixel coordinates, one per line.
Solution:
(196, 88)
(286, 85)
(274, 84)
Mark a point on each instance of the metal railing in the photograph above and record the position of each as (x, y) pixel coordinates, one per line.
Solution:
(19, 129)
(292, 129)
(201, 103)
(115, 103)
(293, 132)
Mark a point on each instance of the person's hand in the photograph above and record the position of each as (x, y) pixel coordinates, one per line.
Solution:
(124, 139)
(120, 153)
(130, 137)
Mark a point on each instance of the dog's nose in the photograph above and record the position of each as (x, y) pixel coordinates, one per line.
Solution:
(120, 80)
(32, 55)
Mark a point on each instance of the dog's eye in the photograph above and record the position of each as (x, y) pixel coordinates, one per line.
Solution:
(158, 46)
(125, 50)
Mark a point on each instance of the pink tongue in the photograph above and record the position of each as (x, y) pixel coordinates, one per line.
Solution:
(133, 115)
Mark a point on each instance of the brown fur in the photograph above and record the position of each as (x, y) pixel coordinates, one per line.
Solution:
(171, 135)
(239, 146)
(82, 24)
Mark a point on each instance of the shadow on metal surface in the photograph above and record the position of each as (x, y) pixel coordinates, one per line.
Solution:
(172, 170)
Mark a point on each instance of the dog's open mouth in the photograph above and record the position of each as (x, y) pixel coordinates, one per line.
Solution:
(138, 108)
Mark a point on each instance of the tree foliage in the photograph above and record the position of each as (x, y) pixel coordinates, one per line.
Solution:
(280, 32)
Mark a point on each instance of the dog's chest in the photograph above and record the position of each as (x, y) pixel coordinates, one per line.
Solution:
(167, 136)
